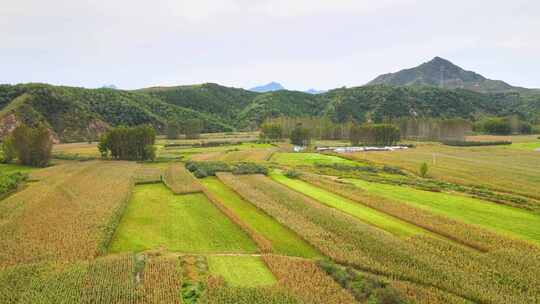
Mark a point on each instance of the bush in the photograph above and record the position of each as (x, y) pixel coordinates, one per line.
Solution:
(393, 170)
(362, 287)
(423, 169)
(249, 168)
(210, 168)
(292, 173)
(10, 182)
(459, 143)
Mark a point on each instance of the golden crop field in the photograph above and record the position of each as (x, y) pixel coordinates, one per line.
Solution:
(180, 180)
(66, 215)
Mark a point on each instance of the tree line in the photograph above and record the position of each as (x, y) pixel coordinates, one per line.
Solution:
(191, 128)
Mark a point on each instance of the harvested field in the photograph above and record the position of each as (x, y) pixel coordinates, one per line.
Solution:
(180, 180)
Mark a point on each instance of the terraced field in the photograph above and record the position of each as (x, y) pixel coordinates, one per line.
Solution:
(241, 271)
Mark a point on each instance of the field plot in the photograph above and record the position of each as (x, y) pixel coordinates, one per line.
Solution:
(309, 159)
(248, 155)
(156, 218)
(283, 240)
(497, 167)
(429, 262)
(115, 279)
(241, 271)
(77, 149)
(69, 214)
(501, 218)
(149, 173)
(359, 211)
(180, 180)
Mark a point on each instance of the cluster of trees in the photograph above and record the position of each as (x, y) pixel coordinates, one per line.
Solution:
(129, 143)
(300, 136)
(191, 128)
(503, 126)
(319, 127)
(434, 129)
(374, 134)
(271, 132)
(30, 146)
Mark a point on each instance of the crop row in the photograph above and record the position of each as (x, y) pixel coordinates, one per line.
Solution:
(493, 277)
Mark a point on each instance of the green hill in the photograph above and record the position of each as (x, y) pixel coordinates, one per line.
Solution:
(75, 114)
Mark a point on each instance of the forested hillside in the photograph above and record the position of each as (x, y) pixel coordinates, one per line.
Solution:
(76, 114)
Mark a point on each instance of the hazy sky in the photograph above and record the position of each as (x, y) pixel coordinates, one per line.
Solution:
(243, 43)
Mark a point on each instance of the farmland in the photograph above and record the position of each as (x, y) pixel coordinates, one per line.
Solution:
(318, 228)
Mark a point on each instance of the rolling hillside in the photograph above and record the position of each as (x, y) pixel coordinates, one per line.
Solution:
(75, 114)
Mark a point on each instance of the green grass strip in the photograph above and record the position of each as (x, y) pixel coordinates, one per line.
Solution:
(365, 214)
(284, 241)
(241, 271)
(499, 218)
(156, 218)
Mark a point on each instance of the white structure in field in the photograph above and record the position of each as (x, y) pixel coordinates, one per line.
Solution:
(360, 149)
(298, 148)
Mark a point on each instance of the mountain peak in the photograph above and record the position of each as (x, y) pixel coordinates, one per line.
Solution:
(441, 72)
(270, 87)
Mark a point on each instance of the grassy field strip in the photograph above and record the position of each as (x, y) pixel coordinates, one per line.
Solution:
(419, 259)
(12, 168)
(150, 173)
(282, 239)
(500, 218)
(241, 271)
(180, 180)
(156, 218)
(469, 235)
(363, 213)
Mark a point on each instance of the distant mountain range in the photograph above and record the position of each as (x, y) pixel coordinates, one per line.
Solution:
(73, 114)
(442, 73)
(270, 87)
(276, 86)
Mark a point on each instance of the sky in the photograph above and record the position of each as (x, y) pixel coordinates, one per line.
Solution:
(243, 43)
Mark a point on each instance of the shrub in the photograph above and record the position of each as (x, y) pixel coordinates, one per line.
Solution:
(292, 173)
(8, 150)
(249, 168)
(210, 168)
(10, 182)
(393, 170)
(423, 169)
